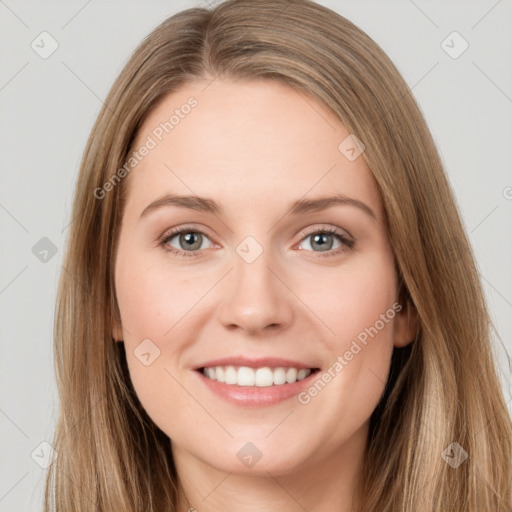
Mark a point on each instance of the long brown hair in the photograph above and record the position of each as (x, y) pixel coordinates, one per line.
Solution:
(442, 389)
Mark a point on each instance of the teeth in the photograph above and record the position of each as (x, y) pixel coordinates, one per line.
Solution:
(246, 376)
(291, 375)
(260, 377)
(301, 374)
(264, 377)
(279, 376)
(231, 375)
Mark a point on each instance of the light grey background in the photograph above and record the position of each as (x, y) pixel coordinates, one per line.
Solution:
(48, 107)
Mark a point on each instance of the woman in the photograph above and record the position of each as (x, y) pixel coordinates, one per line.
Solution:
(208, 358)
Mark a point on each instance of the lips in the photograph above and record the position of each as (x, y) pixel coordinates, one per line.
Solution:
(255, 382)
(260, 362)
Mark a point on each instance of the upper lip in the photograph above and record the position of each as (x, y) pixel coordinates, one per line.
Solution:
(260, 362)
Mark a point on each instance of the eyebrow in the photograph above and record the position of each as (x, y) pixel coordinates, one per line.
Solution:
(301, 206)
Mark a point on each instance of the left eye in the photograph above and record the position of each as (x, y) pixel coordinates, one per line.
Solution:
(324, 240)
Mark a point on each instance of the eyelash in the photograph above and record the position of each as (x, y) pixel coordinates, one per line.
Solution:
(346, 242)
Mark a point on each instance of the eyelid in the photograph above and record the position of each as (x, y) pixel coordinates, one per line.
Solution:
(308, 231)
(186, 227)
(329, 228)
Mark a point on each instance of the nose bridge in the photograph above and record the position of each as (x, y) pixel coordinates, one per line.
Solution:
(253, 279)
(252, 267)
(256, 298)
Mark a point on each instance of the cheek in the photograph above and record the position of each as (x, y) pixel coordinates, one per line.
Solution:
(352, 299)
(358, 305)
(151, 300)
(155, 306)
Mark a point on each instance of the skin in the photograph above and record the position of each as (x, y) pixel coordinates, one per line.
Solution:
(255, 147)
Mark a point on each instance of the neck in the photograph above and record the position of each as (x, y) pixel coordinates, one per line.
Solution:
(325, 485)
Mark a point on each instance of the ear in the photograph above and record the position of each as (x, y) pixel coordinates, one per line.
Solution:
(406, 324)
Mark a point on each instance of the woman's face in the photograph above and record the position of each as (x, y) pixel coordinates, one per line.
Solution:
(268, 280)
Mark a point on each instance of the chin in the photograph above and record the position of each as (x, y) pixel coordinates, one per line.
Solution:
(254, 458)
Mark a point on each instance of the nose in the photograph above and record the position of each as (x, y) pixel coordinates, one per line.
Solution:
(255, 298)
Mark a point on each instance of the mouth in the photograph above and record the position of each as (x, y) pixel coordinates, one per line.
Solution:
(262, 377)
(255, 382)
(256, 385)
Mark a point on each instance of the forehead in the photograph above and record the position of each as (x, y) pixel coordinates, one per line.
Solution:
(256, 141)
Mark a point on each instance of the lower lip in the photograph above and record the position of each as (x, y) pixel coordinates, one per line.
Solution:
(254, 396)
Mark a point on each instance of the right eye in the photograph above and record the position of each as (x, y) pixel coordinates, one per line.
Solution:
(189, 241)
